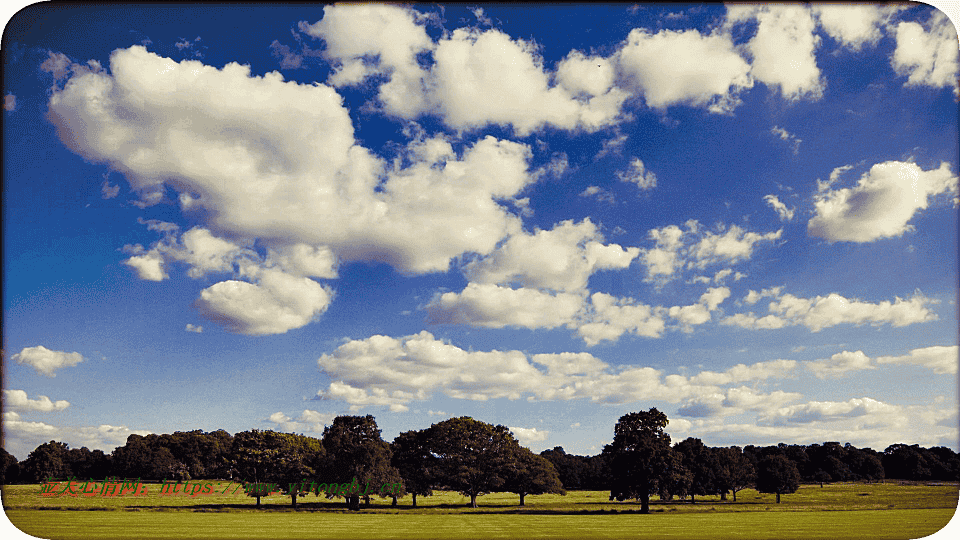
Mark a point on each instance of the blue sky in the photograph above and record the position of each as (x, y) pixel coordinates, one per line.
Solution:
(264, 217)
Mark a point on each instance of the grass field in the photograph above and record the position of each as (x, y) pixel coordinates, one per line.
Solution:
(876, 511)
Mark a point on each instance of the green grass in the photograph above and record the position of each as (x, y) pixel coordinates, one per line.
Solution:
(876, 511)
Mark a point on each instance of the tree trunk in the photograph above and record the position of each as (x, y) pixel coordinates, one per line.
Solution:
(366, 500)
(414, 499)
(723, 495)
(734, 495)
(693, 498)
(473, 500)
(293, 495)
(644, 503)
(521, 498)
(394, 503)
(258, 501)
(778, 497)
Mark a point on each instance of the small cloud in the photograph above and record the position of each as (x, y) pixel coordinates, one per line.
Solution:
(45, 361)
(639, 175)
(575, 425)
(784, 135)
(9, 102)
(786, 214)
(195, 329)
(436, 413)
(602, 195)
(108, 191)
(529, 435)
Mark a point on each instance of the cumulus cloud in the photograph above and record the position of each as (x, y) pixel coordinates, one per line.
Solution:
(638, 174)
(853, 26)
(822, 312)
(17, 399)
(45, 361)
(677, 249)
(782, 50)
(602, 195)
(492, 306)
(561, 259)
(882, 203)
(609, 317)
(699, 313)
(786, 214)
(829, 411)
(470, 78)
(672, 68)
(22, 437)
(734, 401)
(839, 364)
(529, 436)
(392, 372)
(278, 302)
(941, 359)
(927, 54)
(308, 422)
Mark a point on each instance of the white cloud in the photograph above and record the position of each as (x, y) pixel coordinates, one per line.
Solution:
(386, 371)
(782, 50)
(603, 195)
(830, 411)
(248, 151)
(940, 359)
(528, 436)
(789, 137)
(475, 77)
(674, 68)
(108, 191)
(881, 204)
(45, 361)
(753, 296)
(277, 303)
(492, 306)
(786, 214)
(699, 313)
(639, 175)
(839, 364)
(308, 421)
(197, 329)
(22, 437)
(561, 259)
(609, 317)
(17, 399)
(822, 312)
(730, 246)
(853, 25)
(927, 54)
(9, 102)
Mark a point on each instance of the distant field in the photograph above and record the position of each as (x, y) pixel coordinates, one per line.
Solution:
(876, 511)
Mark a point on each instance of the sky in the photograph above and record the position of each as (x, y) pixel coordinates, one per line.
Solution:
(250, 217)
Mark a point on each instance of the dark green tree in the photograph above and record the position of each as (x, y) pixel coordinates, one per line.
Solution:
(777, 474)
(414, 462)
(532, 474)
(472, 457)
(736, 470)
(9, 468)
(637, 455)
(256, 456)
(299, 459)
(49, 460)
(355, 450)
(703, 466)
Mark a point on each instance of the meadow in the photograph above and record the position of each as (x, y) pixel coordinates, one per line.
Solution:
(843, 510)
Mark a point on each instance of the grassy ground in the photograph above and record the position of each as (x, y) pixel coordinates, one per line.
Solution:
(887, 510)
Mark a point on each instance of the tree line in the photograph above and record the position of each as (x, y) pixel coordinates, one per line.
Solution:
(475, 458)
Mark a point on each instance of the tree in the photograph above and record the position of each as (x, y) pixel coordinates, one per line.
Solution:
(9, 468)
(777, 474)
(415, 463)
(472, 457)
(637, 456)
(702, 465)
(737, 470)
(255, 456)
(531, 474)
(299, 457)
(355, 451)
(49, 460)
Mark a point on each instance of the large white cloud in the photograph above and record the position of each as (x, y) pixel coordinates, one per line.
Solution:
(689, 68)
(882, 203)
(610, 317)
(469, 78)
(927, 54)
(45, 361)
(561, 259)
(489, 305)
(782, 50)
(278, 302)
(22, 437)
(853, 25)
(393, 372)
(940, 359)
(17, 399)
(828, 411)
(822, 312)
